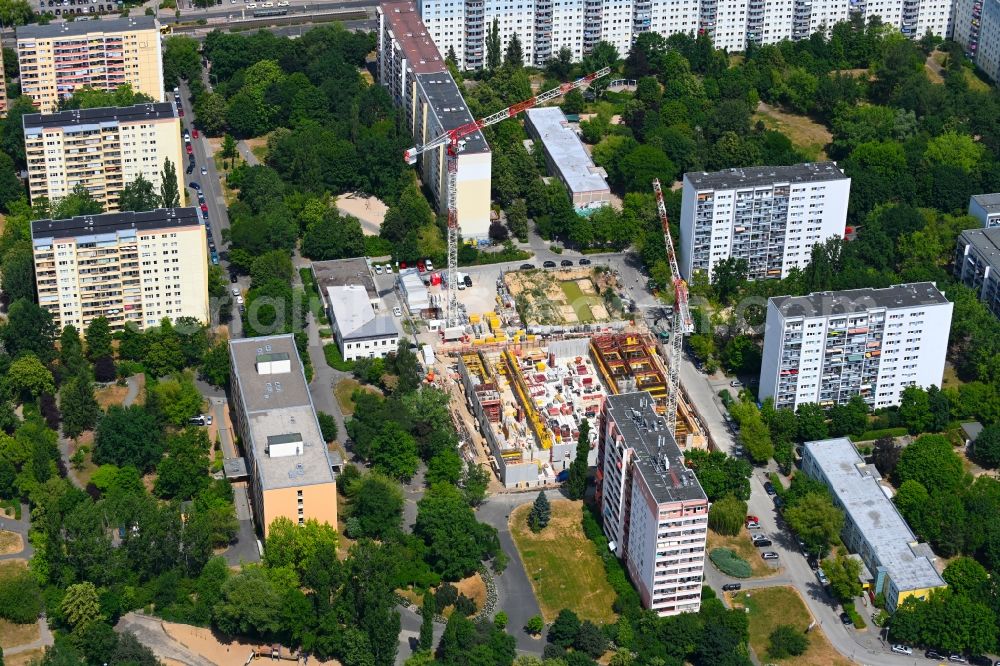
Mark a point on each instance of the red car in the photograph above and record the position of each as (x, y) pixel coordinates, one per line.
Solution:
(190, 150)
(753, 519)
(204, 208)
(180, 111)
(420, 266)
(194, 133)
(402, 265)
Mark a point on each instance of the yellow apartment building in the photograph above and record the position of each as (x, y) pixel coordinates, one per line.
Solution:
(287, 460)
(102, 149)
(128, 267)
(58, 58)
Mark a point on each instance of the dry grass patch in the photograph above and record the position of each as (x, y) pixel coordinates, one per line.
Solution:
(86, 472)
(742, 546)
(23, 658)
(111, 395)
(474, 588)
(10, 542)
(773, 606)
(808, 135)
(563, 564)
(343, 391)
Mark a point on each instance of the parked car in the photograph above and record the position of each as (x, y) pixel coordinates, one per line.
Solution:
(197, 420)
(736, 383)
(190, 168)
(527, 267)
(397, 312)
(957, 658)
(388, 269)
(204, 171)
(821, 577)
(566, 262)
(753, 526)
(762, 542)
(180, 112)
(752, 519)
(378, 268)
(902, 649)
(189, 149)
(236, 290)
(421, 266)
(549, 264)
(195, 186)
(233, 278)
(933, 654)
(585, 262)
(731, 587)
(769, 555)
(239, 300)
(813, 562)
(194, 133)
(846, 619)
(468, 281)
(769, 489)
(430, 265)
(204, 207)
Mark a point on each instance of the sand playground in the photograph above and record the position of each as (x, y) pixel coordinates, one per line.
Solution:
(370, 210)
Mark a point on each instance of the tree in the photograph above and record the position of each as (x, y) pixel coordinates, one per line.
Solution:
(170, 196)
(18, 270)
(28, 377)
(576, 483)
(184, 472)
(71, 353)
(428, 611)
(572, 102)
(295, 546)
(98, 338)
(228, 151)
(931, 461)
(79, 408)
(517, 219)
(966, 576)
(986, 447)
(210, 108)
(534, 625)
(477, 480)
(81, 605)
(456, 542)
(720, 475)
(250, 604)
(394, 452)
(540, 514)
(139, 195)
(15, 12)
(787, 641)
(29, 329)
(178, 397)
(377, 506)
(816, 520)
(728, 278)
(445, 466)
(850, 419)
(812, 422)
(565, 628)
(514, 57)
(844, 574)
(215, 366)
(590, 639)
(726, 516)
(327, 426)
(20, 599)
(128, 436)
(493, 46)
(181, 60)
(885, 455)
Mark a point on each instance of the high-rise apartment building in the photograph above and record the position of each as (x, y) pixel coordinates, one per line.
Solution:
(102, 149)
(977, 29)
(411, 67)
(986, 209)
(544, 27)
(290, 469)
(58, 58)
(3, 91)
(770, 216)
(977, 264)
(827, 347)
(131, 268)
(653, 508)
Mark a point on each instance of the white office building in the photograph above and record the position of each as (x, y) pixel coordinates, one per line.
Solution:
(544, 27)
(977, 29)
(567, 159)
(772, 216)
(830, 346)
(358, 331)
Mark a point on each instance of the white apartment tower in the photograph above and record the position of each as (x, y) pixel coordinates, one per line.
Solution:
(827, 347)
(410, 66)
(102, 149)
(977, 29)
(131, 268)
(546, 26)
(771, 216)
(653, 510)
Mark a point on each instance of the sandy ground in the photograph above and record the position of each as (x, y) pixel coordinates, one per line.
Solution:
(209, 646)
(370, 210)
(10, 543)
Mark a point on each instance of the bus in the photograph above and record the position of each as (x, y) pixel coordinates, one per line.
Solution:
(267, 13)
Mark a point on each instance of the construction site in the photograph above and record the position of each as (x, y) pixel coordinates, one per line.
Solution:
(529, 400)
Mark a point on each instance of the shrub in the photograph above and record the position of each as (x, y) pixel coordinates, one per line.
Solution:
(729, 563)
(335, 360)
(534, 625)
(869, 435)
(445, 596)
(787, 641)
(20, 599)
(465, 606)
(327, 425)
(727, 515)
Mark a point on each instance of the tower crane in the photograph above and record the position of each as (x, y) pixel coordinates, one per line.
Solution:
(453, 141)
(682, 323)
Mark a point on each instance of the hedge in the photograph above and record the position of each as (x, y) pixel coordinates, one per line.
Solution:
(869, 435)
(729, 563)
(335, 360)
(627, 599)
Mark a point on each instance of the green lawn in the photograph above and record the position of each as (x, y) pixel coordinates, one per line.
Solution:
(773, 606)
(575, 298)
(343, 391)
(563, 565)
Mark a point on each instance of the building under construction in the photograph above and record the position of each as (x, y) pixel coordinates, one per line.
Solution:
(627, 363)
(529, 406)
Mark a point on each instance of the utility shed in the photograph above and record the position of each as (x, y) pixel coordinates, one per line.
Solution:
(567, 159)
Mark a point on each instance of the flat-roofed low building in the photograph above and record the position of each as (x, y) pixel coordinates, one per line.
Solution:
(902, 566)
(357, 330)
(130, 268)
(102, 149)
(289, 465)
(567, 159)
(977, 264)
(345, 273)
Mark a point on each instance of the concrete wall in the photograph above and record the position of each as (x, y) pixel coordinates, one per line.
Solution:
(319, 502)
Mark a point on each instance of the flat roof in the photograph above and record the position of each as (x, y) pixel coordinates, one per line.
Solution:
(985, 242)
(344, 272)
(422, 55)
(354, 315)
(277, 405)
(857, 489)
(80, 28)
(101, 115)
(566, 151)
(989, 202)
(766, 175)
(657, 456)
(109, 223)
(443, 95)
(827, 303)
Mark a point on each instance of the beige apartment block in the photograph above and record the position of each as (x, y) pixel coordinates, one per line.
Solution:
(58, 58)
(136, 268)
(3, 91)
(290, 469)
(102, 149)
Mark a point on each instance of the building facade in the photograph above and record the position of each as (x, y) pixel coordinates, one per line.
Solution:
(131, 268)
(977, 29)
(58, 58)
(290, 468)
(3, 91)
(901, 566)
(827, 347)
(410, 66)
(977, 265)
(101, 149)
(986, 209)
(567, 159)
(769, 216)
(544, 27)
(357, 330)
(653, 508)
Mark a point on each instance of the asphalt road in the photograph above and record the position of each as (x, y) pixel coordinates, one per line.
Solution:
(238, 8)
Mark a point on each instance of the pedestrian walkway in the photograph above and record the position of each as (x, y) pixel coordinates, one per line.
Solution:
(44, 640)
